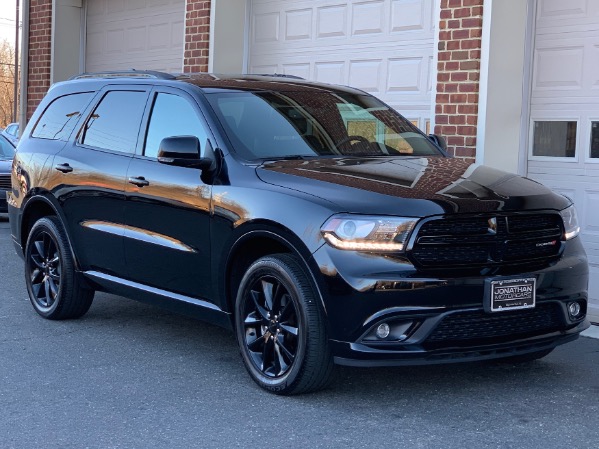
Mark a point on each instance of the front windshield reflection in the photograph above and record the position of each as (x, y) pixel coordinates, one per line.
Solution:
(279, 125)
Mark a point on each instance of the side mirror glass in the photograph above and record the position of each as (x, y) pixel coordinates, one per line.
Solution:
(438, 140)
(182, 151)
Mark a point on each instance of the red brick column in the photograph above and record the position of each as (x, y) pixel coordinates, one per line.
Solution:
(458, 74)
(197, 36)
(40, 35)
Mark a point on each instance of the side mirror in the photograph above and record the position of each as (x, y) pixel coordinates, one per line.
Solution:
(182, 151)
(438, 140)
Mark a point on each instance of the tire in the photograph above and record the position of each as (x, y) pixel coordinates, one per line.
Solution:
(280, 327)
(524, 358)
(54, 287)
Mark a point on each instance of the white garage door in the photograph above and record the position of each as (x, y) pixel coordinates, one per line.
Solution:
(384, 47)
(564, 130)
(140, 34)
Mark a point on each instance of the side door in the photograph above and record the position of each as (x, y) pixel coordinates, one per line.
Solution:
(167, 240)
(91, 174)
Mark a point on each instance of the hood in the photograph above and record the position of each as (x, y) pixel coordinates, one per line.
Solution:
(5, 166)
(413, 186)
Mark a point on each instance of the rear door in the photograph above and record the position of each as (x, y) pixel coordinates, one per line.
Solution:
(167, 240)
(91, 177)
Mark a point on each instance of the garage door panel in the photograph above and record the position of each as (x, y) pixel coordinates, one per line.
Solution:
(298, 24)
(549, 9)
(559, 68)
(138, 34)
(327, 41)
(410, 15)
(368, 18)
(330, 72)
(367, 73)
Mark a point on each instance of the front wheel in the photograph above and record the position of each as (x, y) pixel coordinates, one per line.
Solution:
(280, 327)
(53, 285)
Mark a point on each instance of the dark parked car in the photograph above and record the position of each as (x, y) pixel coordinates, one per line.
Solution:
(313, 220)
(7, 152)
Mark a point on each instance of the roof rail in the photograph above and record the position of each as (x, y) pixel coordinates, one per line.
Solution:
(125, 74)
(277, 75)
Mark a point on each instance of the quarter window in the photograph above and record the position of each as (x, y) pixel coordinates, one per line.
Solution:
(595, 139)
(554, 139)
(59, 119)
(114, 124)
(172, 116)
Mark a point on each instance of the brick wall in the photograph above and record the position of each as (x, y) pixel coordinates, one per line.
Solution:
(197, 36)
(456, 117)
(40, 34)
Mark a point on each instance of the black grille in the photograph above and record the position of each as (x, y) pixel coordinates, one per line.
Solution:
(488, 240)
(467, 327)
(5, 182)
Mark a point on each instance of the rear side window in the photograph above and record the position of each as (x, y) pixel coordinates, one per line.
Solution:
(59, 119)
(114, 125)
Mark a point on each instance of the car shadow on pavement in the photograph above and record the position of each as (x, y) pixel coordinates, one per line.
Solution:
(201, 344)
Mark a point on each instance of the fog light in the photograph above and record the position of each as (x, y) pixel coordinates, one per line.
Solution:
(573, 310)
(383, 331)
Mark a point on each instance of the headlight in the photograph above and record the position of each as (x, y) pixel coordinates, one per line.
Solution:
(362, 233)
(571, 226)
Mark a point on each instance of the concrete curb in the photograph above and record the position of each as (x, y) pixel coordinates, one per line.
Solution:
(592, 332)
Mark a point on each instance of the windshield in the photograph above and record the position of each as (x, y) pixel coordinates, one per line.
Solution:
(7, 151)
(272, 125)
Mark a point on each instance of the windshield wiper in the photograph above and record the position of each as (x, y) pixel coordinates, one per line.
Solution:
(294, 157)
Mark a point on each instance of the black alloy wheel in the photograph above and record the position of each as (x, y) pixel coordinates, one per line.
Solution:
(280, 327)
(54, 287)
(271, 329)
(45, 274)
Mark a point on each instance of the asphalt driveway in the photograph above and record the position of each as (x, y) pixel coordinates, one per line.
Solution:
(131, 376)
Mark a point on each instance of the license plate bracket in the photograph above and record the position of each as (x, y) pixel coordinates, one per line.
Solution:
(510, 293)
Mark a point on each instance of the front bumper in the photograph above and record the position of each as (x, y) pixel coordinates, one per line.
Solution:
(357, 354)
(443, 319)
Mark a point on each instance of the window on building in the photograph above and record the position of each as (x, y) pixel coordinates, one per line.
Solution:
(594, 139)
(554, 138)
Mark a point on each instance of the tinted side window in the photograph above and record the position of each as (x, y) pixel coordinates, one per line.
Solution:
(172, 116)
(59, 119)
(114, 124)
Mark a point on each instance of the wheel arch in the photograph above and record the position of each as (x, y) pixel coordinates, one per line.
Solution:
(260, 239)
(40, 205)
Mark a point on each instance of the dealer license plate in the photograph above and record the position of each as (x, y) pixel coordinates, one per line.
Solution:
(510, 294)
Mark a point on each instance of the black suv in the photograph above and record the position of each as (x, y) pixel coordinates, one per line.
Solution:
(313, 220)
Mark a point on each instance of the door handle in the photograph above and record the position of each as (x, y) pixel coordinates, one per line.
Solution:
(65, 168)
(139, 181)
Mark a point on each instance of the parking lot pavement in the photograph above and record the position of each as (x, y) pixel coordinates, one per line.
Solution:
(592, 332)
(131, 376)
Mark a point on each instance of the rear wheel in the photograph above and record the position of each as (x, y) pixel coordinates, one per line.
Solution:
(54, 288)
(280, 327)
